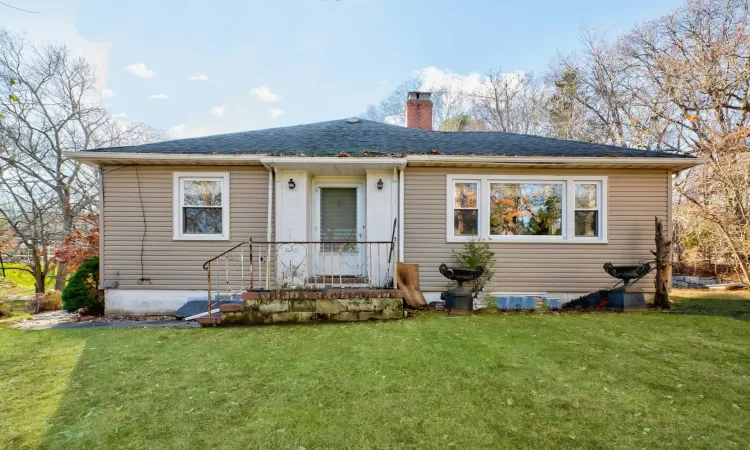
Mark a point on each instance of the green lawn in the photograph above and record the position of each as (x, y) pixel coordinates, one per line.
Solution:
(21, 280)
(641, 380)
(18, 285)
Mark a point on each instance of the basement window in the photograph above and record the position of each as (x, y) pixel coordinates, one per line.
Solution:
(201, 206)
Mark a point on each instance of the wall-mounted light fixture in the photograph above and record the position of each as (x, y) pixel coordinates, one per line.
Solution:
(380, 184)
(292, 184)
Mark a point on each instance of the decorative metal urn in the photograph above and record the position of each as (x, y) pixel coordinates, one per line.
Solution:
(460, 299)
(627, 273)
(627, 297)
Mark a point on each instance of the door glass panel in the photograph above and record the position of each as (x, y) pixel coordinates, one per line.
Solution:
(338, 217)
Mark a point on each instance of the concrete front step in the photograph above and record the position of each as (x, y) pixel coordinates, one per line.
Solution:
(338, 293)
(209, 320)
(232, 307)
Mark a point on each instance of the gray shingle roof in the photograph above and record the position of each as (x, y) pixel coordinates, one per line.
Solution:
(358, 137)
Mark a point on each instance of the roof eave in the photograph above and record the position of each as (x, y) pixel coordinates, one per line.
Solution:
(103, 158)
(672, 163)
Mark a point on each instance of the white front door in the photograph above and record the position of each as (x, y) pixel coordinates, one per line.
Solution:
(338, 223)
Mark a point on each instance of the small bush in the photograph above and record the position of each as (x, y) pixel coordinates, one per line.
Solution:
(4, 309)
(476, 253)
(52, 301)
(49, 301)
(82, 290)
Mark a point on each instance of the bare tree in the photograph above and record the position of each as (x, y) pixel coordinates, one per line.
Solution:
(694, 67)
(680, 82)
(48, 105)
(392, 109)
(719, 193)
(448, 99)
(511, 102)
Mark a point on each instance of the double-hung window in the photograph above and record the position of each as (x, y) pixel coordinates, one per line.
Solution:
(526, 208)
(587, 220)
(466, 208)
(201, 206)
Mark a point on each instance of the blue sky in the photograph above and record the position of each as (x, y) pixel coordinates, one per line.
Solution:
(275, 63)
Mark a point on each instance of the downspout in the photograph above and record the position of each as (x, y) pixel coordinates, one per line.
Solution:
(271, 172)
(101, 227)
(401, 215)
(670, 229)
(269, 232)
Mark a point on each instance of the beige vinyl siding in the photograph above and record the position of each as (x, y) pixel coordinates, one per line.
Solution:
(168, 263)
(635, 197)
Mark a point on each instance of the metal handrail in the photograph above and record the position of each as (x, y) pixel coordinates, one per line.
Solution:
(235, 263)
(321, 242)
(205, 264)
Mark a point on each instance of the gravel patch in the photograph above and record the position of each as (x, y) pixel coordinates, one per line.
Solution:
(62, 319)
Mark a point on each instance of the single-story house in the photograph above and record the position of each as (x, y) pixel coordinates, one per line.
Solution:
(336, 203)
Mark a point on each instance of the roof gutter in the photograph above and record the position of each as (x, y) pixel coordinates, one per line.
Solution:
(553, 160)
(98, 158)
(281, 161)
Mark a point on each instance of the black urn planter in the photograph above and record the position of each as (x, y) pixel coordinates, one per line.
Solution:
(627, 297)
(460, 299)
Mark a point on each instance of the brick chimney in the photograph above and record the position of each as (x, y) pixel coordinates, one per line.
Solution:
(419, 110)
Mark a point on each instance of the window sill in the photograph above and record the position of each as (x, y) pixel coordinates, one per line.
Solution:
(528, 240)
(200, 238)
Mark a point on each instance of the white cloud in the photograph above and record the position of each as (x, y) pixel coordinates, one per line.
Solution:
(264, 94)
(275, 112)
(434, 78)
(460, 88)
(217, 111)
(184, 131)
(108, 93)
(158, 97)
(140, 70)
(177, 131)
(120, 115)
(200, 77)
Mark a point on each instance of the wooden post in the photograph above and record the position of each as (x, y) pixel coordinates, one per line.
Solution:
(395, 261)
(663, 266)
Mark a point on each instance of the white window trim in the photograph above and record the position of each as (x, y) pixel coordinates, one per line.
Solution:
(177, 216)
(601, 207)
(569, 182)
(451, 206)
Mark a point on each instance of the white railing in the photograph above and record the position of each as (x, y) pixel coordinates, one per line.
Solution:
(271, 265)
(314, 264)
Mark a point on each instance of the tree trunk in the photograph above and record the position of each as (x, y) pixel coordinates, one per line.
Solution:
(62, 273)
(39, 279)
(663, 267)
